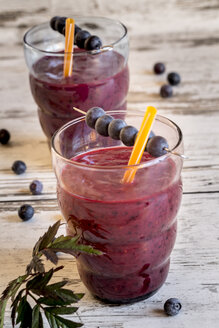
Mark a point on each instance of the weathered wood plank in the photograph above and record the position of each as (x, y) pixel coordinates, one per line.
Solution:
(183, 34)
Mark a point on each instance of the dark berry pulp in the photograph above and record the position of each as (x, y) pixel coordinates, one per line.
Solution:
(98, 80)
(134, 225)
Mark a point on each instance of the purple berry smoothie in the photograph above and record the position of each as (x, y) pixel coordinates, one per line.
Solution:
(97, 80)
(133, 224)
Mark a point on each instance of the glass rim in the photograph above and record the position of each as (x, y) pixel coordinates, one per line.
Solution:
(107, 47)
(152, 162)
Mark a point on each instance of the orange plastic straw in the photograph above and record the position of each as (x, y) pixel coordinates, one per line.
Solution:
(69, 46)
(140, 143)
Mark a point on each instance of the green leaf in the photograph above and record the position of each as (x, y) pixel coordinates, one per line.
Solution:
(67, 244)
(47, 238)
(57, 285)
(68, 295)
(60, 297)
(40, 321)
(35, 265)
(36, 317)
(9, 292)
(40, 281)
(14, 306)
(13, 287)
(24, 313)
(3, 304)
(61, 310)
(51, 301)
(51, 320)
(50, 255)
(67, 323)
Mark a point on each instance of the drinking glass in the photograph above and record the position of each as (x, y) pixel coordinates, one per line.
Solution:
(134, 225)
(99, 77)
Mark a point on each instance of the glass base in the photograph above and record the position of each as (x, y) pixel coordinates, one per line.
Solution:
(127, 301)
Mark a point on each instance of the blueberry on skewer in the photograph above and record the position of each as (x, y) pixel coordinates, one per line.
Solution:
(115, 127)
(127, 135)
(92, 43)
(157, 146)
(92, 115)
(102, 123)
(81, 37)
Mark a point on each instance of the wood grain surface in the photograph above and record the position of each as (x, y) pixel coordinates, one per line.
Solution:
(185, 36)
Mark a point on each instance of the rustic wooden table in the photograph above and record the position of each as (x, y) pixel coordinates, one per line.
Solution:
(184, 35)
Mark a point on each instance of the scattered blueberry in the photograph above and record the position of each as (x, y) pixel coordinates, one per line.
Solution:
(60, 24)
(115, 127)
(159, 68)
(19, 167)
(102, 123)
(92, 43)
(26, 212)
(53, 21)
(166, 91)
(4, 136)
(80, 38)
(127, 135)
(173, 78)
(156, 146)
(92, 115)
(172, 306)
(36, 187)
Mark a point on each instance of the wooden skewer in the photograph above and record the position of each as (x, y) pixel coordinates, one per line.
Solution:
(168, 150)
(79, 110)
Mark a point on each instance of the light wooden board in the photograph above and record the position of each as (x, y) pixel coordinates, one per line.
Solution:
(184, 35)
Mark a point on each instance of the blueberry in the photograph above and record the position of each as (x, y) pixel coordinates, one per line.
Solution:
(60, 24)
(173, 78)
(102, 123)
(159, 68)
(172, 306)
(156, 146)
(128, 134)
(115, 127)
(4, 136)
(92, 115)
(53, 22)
(166, 91)
(26, 212)
(80, 38)
(77, 29)
(152, 134)
(36, 187)
(63, 31)
(92, 43)
(19, 167)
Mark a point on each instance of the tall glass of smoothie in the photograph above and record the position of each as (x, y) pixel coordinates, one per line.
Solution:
(133, 224)
(99, 78)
